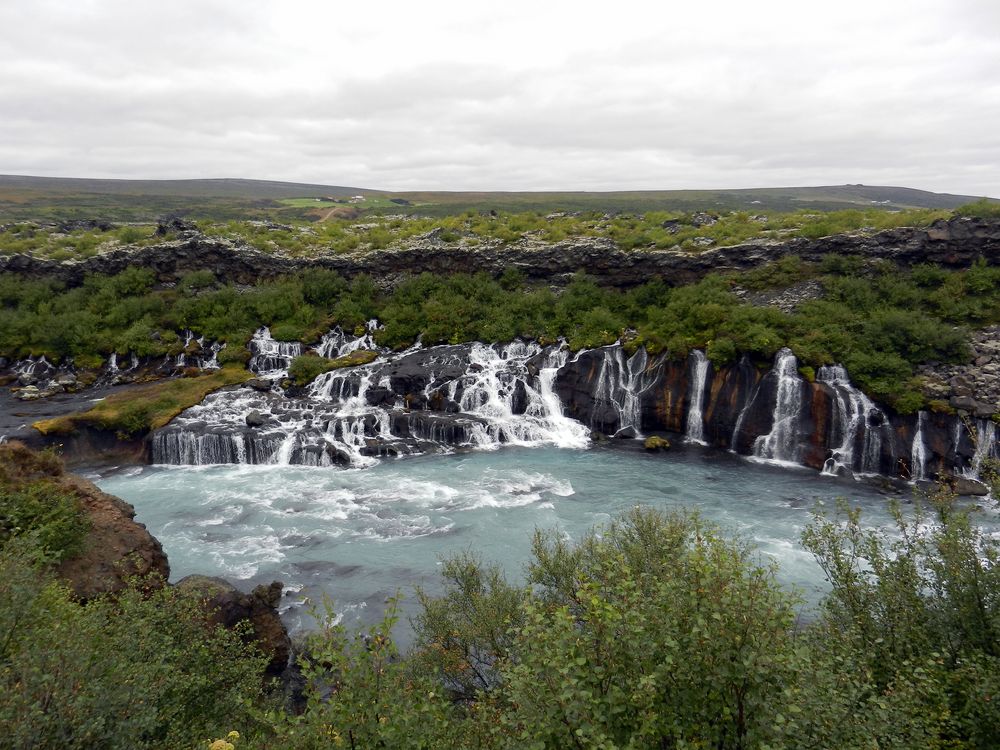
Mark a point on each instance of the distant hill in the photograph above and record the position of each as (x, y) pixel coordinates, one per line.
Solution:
(209, 188)
(41, 198)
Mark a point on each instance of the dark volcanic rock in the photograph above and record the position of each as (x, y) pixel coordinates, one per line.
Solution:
(259, 384)
(952, 243)
(227, 606)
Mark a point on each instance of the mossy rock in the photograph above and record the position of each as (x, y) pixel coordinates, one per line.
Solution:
(656, 443)
(307, 367)
(147, 407)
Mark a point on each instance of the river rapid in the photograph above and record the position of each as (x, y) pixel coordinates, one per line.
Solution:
(362, 535)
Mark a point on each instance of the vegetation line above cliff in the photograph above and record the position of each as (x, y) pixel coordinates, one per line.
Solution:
(687, 231)
(876, 319)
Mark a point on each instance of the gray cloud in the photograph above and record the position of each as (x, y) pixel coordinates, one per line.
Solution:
(529, 96)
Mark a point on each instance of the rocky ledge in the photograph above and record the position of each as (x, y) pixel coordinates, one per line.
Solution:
(953, 243)
(118, 549)
(972, 388)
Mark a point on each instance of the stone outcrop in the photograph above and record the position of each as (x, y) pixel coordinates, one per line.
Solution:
(952, 243)
(973, 388)
(227, 606)
(116, 547)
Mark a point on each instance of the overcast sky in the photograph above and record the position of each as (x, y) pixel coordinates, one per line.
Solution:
(506, 96)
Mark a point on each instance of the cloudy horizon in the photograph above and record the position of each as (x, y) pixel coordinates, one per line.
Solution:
(527, 96)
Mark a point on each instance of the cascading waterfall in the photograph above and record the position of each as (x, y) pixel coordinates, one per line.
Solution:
(489, 389)
(986, 447)
(270, 357)
(781, 444)
(621, 383)
(35, 367)
(337, 343)
(852, 413)
(918, 452)
(484, 396)
(695, 428)
(496, 399)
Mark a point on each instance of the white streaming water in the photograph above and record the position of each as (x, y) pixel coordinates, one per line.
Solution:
(270, 358)
(985, 442)
(337, 343)
(781, 444)
(918, 451)
(621, 384)
(852, 414)
(495, 400)
(695, 427)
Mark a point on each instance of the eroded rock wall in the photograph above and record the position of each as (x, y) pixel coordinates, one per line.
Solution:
(953, 243)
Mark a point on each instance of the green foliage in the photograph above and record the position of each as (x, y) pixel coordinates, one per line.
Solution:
(467, 634)
(919, 608)
(360, 695)
(139, 671)
(984, 208)
(879, 321)
(656, 633)
(45, 514)
(307, 367)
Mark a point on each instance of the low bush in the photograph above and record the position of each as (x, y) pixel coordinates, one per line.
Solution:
(137, 671)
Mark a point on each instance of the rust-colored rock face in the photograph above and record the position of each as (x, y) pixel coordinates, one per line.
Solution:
(739, 407)
(116, 547)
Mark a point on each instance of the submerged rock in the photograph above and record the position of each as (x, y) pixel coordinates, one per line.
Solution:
(968, 486)
(656, 443)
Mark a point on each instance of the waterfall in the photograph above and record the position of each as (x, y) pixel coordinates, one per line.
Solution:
(986, 446)
(336, 343)
(621, 384)
(563, 431)
(484, 396)
(781, 444)
(495, 378)
(270, 357)
(852, 414)
(918, 453)
(32, 367)
(695, 431)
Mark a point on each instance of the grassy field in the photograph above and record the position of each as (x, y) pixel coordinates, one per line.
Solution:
(42, 198)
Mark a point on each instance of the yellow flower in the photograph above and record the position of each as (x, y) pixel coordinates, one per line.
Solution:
(234, 735)
(222, 745)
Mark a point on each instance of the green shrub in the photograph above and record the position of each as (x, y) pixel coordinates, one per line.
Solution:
(233, 354)
(41, 511)
(984, 208)
(139, 671)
